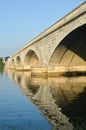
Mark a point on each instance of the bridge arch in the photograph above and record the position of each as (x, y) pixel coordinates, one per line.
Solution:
(31, 58)
(18, 60)
(71, 51)
(13, 62)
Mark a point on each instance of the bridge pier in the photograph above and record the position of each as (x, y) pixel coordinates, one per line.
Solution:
(40, 70)
(63, 70)
(23, 68)
(10, 67)
(27, 68)
(19, 68)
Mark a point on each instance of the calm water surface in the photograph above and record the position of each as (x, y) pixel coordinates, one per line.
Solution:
(40, 103)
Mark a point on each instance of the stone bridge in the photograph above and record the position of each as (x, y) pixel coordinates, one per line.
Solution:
(60, 48)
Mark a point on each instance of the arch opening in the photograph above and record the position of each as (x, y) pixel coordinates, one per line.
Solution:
(18, 60)
(12, 61)
(31, 58)
(71, 51)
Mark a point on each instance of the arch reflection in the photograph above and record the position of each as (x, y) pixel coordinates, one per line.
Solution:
(55, 96)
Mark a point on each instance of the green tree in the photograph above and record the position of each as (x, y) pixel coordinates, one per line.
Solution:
(1, 64)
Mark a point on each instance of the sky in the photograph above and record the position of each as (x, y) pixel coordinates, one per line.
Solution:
(22, 20)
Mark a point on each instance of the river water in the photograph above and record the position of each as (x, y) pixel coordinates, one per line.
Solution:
(42, 103)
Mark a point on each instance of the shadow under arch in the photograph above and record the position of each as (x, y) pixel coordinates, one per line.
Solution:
(13, 62)
(31, 58)
(71, 51)
(18, 60)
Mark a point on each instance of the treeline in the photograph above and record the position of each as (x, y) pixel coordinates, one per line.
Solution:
(2, 62)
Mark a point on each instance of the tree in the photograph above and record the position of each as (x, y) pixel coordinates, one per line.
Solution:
(1, 63)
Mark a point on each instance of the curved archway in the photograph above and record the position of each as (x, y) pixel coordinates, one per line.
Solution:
(12, 61)
(31, 58)
(18, 60)
(72, 49)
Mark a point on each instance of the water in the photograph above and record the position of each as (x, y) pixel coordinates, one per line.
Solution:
(42, 103)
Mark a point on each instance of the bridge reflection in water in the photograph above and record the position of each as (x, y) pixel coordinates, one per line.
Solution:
(60, 99)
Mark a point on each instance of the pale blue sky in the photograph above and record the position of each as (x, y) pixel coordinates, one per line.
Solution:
(22, 20)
